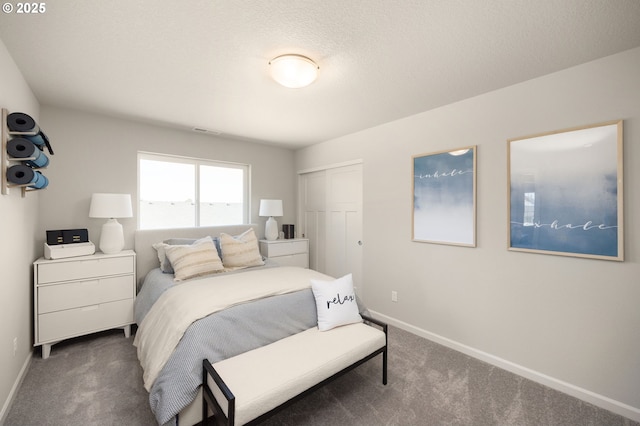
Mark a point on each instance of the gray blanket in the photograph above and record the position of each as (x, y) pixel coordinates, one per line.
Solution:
(219, 336)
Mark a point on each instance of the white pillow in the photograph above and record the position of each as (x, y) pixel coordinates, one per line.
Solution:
(240, 251)
(165, 265)
(335, 302)
(194, 260)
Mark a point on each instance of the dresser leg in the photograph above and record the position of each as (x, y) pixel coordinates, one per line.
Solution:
(46, 351)
(127, 331)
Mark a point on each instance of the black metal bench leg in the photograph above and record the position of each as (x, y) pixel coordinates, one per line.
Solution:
(384, 366)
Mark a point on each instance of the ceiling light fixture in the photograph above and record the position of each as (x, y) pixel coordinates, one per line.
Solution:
(293, 71)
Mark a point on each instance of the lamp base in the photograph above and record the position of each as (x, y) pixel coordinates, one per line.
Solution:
(271, 229)
(111, 237)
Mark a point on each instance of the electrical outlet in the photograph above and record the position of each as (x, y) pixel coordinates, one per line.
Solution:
(15, 346)
(394, 296)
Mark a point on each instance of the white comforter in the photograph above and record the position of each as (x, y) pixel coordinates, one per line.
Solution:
(180, 306)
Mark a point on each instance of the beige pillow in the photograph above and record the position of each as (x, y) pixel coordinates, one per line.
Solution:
(240, 251)
(194, 260)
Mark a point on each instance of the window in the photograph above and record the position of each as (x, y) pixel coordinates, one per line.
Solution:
(175, 192)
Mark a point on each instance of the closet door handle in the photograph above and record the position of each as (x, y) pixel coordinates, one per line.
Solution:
(359, 243)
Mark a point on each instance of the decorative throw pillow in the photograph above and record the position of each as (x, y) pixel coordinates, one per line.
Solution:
(194, 260)
(185, 241)
(240, 251)
(335, 302)
(165, 264)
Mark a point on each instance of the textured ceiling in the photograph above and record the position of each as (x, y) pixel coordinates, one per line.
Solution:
(204, 63)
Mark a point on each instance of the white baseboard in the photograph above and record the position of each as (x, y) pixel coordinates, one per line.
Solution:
(14, 388)
(598, 400)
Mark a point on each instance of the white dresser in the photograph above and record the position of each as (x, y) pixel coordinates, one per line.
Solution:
(81, 295)
(293, 252)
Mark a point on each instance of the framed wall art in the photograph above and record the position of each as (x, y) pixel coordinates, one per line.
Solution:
(444, 197)
(566, 193)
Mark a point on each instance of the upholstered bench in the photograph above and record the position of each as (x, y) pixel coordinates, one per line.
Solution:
(250, 387)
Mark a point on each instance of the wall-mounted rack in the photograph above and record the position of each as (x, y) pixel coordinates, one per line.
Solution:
(8, 161)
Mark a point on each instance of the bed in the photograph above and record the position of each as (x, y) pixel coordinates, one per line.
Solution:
(215, 316)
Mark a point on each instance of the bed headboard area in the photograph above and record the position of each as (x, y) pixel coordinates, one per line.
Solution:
(146, 257)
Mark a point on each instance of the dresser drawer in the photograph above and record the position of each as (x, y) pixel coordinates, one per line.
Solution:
(80, 269)
(57, 297)
(301, 260)
(286, 248)
(75, 322)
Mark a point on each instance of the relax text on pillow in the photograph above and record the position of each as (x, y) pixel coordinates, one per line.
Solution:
(336, 302)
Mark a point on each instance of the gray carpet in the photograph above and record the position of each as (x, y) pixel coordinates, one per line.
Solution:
(97, 380)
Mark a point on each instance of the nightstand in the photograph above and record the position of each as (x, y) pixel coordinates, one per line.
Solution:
(80, 295)
(293, 252)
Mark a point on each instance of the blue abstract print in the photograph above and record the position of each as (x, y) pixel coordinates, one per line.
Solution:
(564, 192)
(443, 191)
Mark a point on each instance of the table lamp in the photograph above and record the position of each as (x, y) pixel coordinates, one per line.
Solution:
(111, 206)
(271, 208)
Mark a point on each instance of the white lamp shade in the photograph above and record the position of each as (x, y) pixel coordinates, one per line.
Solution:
(270, 208)
(110, 205)
(293, 71)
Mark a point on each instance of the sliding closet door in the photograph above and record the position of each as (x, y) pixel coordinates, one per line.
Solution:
(313, 212)
(344, 221)
(331, 217)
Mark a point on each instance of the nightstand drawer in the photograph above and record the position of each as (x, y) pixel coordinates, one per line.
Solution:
(286, 248)
(79, 269)
(75, 322)
(301, 260)
(57, 297)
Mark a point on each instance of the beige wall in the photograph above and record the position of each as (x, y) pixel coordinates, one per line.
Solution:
(18, 218)
(95, 153)
(569, 322)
